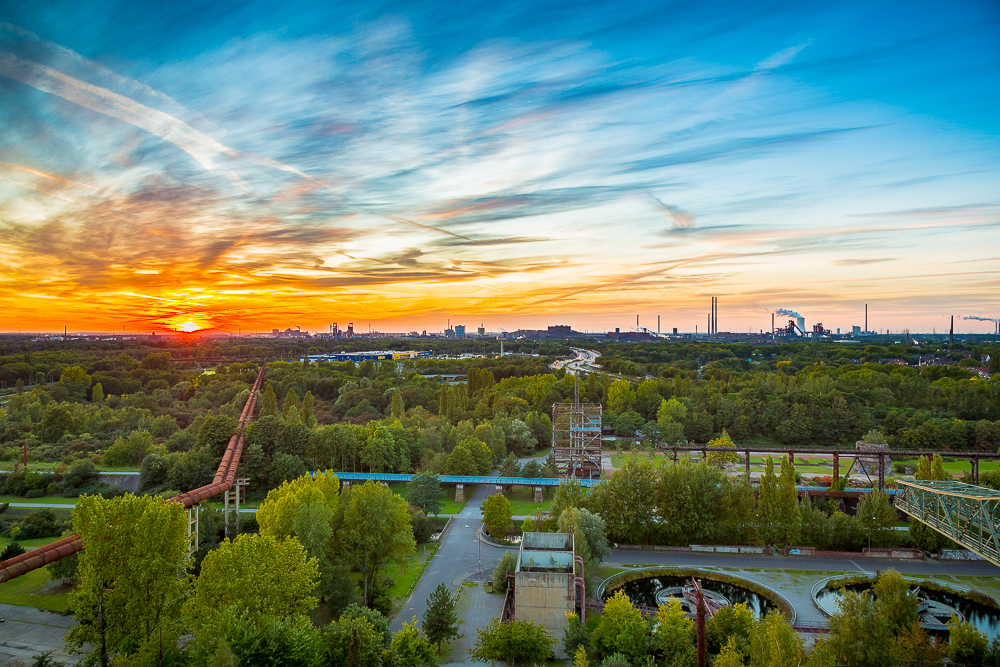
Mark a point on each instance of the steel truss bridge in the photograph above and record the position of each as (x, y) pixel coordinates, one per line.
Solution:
(967, 514)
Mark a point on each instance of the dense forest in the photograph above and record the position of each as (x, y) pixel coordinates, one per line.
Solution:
(137, 407)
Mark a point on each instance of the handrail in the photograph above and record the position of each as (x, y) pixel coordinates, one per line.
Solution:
(223, 481)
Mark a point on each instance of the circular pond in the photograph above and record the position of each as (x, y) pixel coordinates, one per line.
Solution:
(652, 591)
(935, 610)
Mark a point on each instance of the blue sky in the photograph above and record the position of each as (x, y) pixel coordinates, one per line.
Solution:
(515, 165)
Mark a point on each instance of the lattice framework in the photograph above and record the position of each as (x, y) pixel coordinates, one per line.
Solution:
(969, 515)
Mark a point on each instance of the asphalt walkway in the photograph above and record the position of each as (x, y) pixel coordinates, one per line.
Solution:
(27, 632)
(457, 561)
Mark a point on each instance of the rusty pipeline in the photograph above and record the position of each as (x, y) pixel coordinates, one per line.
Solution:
(224, 478)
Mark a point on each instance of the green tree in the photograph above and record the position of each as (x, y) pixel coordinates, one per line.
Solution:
(97, 394)
(773, 643)
(355, 641)
(443, 401)
(128, 451)
(516, 643)
(966, 644)
(440, 618)
(379, 451)
(269, 403)
(131, 576)
(256, 575)
(937, 469)
(497, 516)
(860, 636)
(308, 417)
(425, 492)
(308, 509)
(461, 462)
(411, 648)
(290, 407)
(622, 629)
(580, 657)
(672, 634)
(690, 498)
(627, 501)
(396, 409)
(620, 396)
(730, 655)
(913, 646)
(722, 459)
(789, 519)
(876, 515)
(768, 501)
(732, 622)
(75, 375)
(507, 565)
(56, 421)
(377, 529)
(215, 433)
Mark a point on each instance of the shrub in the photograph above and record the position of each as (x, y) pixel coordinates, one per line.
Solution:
(508, 561)
(10, 551)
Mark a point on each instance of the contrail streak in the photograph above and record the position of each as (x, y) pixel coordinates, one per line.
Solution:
(199, 146)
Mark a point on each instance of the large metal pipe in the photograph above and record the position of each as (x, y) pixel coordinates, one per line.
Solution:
(223, 481)
(583, 591)
(583, 600)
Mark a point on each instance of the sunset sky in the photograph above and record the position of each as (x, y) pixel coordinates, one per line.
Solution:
(269, 164)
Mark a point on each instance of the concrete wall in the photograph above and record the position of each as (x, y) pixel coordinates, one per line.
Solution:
(544, 597)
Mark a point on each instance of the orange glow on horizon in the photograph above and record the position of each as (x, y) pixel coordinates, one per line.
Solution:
(189, 326)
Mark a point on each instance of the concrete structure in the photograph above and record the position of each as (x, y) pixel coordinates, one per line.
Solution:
(545, 581)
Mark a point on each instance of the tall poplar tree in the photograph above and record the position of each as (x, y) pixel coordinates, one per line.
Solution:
(269, 404)
(767, 506)
(308, 417)
(397, 409)
(290, 408)
(131, 576)
(789, 517)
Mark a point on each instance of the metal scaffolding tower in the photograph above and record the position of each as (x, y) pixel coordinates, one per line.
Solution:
(576, 437)
(970, 515)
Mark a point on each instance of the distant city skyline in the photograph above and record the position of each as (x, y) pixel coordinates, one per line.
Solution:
(260, 165)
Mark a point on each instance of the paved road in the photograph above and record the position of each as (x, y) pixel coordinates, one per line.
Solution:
(640, 556)
(26, 632)
(456, 560)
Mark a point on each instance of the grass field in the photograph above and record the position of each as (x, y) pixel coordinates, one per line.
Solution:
(51, 500)
(37, 542)
(448, 504)
(522, 500)
(35, 590)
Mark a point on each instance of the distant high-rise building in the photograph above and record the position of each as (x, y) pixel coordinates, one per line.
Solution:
(855, 331)
(481, 331)
(459, 331)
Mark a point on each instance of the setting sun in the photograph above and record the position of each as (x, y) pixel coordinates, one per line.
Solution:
(189, 326)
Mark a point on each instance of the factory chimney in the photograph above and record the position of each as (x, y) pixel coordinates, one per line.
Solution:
(951, 332)
(866, 318)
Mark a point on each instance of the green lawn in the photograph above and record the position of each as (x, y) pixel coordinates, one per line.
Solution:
(51, 500)
(416, 565)
(37, 542)
(50, 466)
(35, 590)
(522, 500)
(448, 504)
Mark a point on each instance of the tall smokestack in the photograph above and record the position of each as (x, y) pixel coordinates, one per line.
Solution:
(951, 332)
(657, 324)
(772, 325)
(866, 318)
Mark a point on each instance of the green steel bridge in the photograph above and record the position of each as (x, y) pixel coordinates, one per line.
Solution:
(969, 515)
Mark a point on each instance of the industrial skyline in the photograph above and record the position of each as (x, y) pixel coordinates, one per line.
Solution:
(255, 165)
